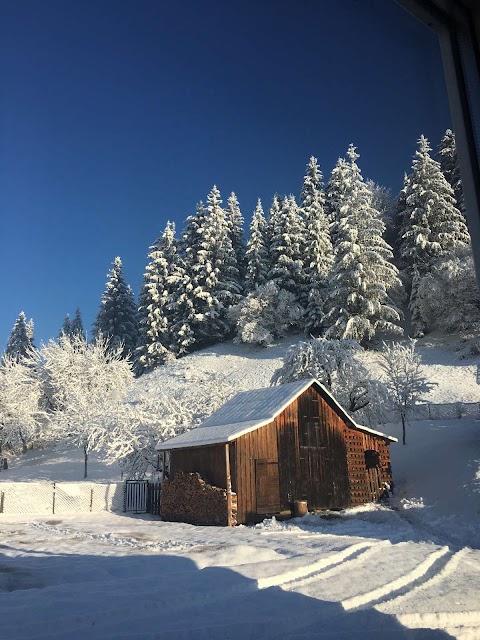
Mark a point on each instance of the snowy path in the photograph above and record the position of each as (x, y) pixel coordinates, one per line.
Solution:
(369, 574)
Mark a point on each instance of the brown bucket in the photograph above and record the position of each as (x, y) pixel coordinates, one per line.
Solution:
(300, 508)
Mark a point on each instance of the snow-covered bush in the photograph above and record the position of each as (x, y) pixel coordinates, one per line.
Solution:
(334, 364)
(404, 380)
(265, 315)
(21, 415)
(149, 418)
(85, 385)
(448, 297)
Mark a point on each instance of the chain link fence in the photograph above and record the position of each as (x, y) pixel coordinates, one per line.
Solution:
(447, 411)
(46, 498)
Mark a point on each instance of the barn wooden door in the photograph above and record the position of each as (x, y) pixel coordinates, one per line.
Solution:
(323, 460)
(267, 487)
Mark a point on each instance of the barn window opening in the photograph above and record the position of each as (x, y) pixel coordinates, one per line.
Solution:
(372, 459)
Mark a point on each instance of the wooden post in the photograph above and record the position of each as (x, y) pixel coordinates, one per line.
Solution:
(229, 485)
(163, 465)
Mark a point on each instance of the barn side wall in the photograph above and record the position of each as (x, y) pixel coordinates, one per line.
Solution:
(366, 485)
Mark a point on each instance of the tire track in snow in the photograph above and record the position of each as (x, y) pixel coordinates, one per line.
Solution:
(448, 569)
(293, 578)
(420, 572)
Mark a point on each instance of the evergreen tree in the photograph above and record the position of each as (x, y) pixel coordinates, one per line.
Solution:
(336, 191)
(213, 270)
(447, 152)
(76, 326)
(362, 274)
(154, 316)
(117, 317)
(433, 226)
(31, 331)
(182, 310)
(19, 343)
(319, 251)
(66, 329)
(235, 228)
(287, 248)
(257, 250)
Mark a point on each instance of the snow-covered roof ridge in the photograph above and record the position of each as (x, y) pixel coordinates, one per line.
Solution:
(250, 410)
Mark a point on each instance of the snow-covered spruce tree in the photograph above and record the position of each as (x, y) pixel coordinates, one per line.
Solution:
(66, 328)
(155, 318)
(181, 309)
(213, 270)
(318, 257)
(336, 191)
(257, 250)
(287, 249)
(76, 326)
(31, 331)
(432, 225)
(21, 415)
(19, 343)
(235, 222)
(416, 307)
(362, 275)
(273, 220)
(87, 385)
(447, 153)
(265, 315)
(404, 380)
(117, 317)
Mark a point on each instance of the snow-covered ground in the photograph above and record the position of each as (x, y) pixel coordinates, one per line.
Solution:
(56, 465)
(411, 571)
(408, 571)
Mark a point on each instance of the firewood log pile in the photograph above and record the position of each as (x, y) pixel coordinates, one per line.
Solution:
(188, 498)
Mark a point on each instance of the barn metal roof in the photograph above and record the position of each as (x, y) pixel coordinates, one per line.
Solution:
(250, 410)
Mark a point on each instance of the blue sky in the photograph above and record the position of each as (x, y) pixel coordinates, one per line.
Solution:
(116, 116)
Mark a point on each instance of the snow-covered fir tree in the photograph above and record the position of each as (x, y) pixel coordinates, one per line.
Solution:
(447, 153)
(181, 309)
(153, 310)
(319, 252)
(66, 328)
(19, 343)
(287, 248)
(415, 306)
(337, 190)
(117, 317)
(31, 330)
(235, 227)
(257, 250)
(432, 224)
(363, 274)
(212, 266)
(76, 326)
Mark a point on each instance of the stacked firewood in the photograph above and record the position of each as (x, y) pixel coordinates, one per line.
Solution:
(188, 498)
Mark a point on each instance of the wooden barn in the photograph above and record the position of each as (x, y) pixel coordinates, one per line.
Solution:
(268, 448)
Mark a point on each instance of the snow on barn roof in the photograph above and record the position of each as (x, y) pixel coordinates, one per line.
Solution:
(251, 410)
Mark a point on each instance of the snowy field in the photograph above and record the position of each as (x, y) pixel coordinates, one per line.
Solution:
(412, 571)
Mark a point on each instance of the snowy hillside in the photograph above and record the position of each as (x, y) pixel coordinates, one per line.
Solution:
(242, 367)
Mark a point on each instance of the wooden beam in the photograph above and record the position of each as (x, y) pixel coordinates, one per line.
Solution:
(163, 466)
(229, 485)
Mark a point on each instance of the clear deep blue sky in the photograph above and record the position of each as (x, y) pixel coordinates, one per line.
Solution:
(116, 116)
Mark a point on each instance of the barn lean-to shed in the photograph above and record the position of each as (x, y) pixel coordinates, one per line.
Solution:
(267, 448)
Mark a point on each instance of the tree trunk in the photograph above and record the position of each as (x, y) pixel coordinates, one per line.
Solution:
(404, 440)
(85, 453)
(24, 442)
